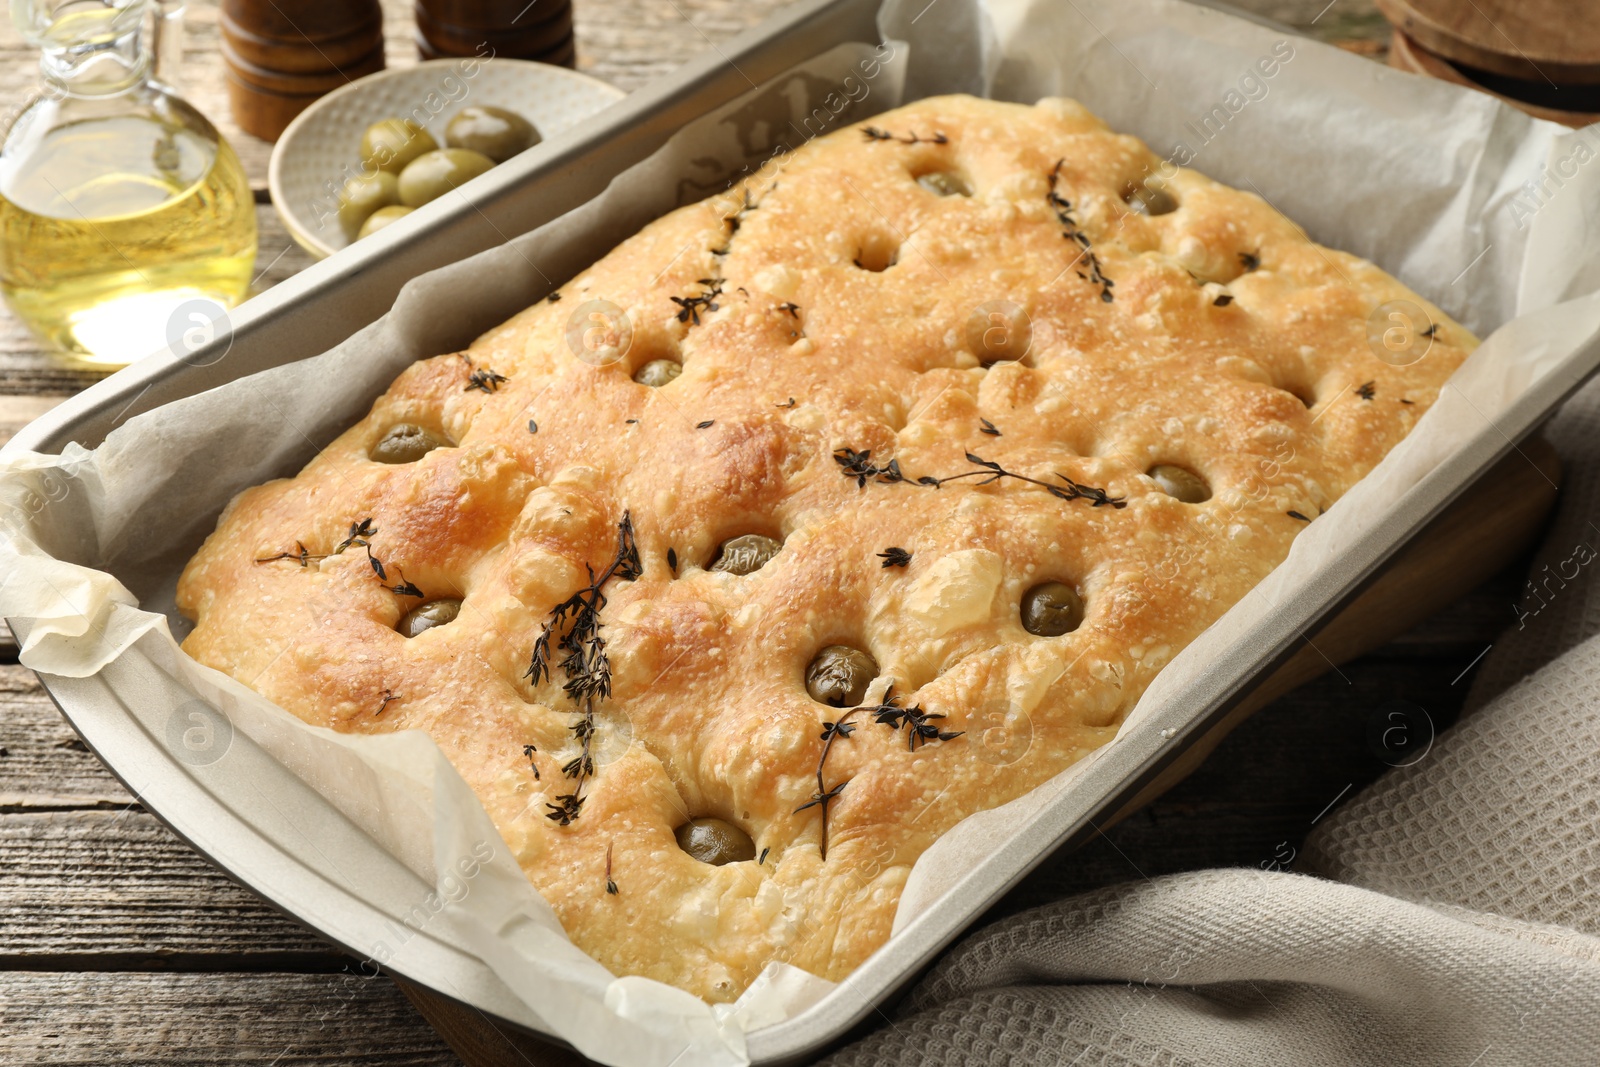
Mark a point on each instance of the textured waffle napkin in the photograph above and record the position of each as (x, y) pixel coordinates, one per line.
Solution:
(1455, 921)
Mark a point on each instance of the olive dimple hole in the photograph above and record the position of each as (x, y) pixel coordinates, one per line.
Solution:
(945, 183)
(839, 676)
(658, 372)
(715, 841)
(1051, 609)
(405, 442)
(439, 611)
(1149, 199)
(1181, 483)
(745, 554)
(877, 253)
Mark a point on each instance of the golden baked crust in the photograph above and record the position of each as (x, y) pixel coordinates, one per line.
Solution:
(845, 307)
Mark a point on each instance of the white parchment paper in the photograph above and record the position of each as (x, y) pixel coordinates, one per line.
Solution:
(1426, 180)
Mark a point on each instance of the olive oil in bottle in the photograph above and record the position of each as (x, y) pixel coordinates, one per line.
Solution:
(123, 213)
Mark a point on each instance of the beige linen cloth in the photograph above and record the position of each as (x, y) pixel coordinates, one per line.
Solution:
(1452, 918)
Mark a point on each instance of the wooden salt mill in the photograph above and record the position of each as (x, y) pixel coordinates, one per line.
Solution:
(283, 54)
(518, 29)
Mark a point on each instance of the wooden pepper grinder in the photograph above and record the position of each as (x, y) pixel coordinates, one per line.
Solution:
(539, 30)
(283, 54)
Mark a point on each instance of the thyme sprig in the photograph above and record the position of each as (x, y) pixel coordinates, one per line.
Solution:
(1070, 230)
(874, 134)
(895, 557)
(1367, 390)
(611, 886)
(389, 697)
(824, 794)
(690, 307)
(527, 753)
(859, 465)
(482, 378)
(360, 536)
(921, 728)
(574, 624)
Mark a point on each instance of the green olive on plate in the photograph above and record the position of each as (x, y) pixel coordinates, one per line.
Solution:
(493, 131)
(390, 145)
(364, 194)
(381, 218)
(435, 173)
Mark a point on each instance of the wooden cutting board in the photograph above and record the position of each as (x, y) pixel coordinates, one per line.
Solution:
(1554, 41)
(1407, 55)
(1467, 544)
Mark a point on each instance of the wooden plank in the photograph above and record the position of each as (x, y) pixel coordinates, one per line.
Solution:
(630, 44)
(115, 890)
(90, 880)
(88, 1020)
(43, 765)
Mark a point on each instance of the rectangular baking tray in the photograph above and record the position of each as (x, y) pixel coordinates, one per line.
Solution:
(278, 849)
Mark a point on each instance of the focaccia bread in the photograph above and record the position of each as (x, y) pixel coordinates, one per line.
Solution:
(935, 361)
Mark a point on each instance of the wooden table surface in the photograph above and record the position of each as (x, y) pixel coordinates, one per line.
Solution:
(120, 945)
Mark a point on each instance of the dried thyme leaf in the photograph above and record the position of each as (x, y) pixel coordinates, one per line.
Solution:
(895, 557)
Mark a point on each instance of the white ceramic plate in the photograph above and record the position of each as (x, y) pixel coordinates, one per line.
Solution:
(322, 146)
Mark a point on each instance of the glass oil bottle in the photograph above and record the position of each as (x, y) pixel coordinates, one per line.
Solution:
(121, 206)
